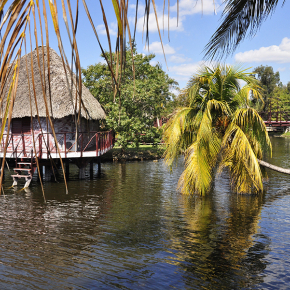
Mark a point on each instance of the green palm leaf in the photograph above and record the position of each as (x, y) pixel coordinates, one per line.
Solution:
(239, 157)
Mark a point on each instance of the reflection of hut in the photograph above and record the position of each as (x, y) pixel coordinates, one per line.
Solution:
(73, 141)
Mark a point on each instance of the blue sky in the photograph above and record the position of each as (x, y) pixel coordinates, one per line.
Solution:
(184, 51)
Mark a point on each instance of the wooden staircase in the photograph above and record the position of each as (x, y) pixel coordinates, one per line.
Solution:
(25, 170)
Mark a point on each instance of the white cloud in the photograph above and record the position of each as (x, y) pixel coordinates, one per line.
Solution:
(155, 47)
(274, 53)
(101, 29)
(152, 25)
(175, 91)
(187, 69)
(153, 62)
(186, 7)
(178, 59)
(190, 7)
(281, 68)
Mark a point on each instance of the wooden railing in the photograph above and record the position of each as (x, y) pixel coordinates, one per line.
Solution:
(97, 143)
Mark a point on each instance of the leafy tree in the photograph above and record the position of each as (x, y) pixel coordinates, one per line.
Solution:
(280, 104)
(132, 112)
(219, 128)
(288, 87)
(269, 81)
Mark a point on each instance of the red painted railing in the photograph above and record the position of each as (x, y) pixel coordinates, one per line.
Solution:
(66, 142)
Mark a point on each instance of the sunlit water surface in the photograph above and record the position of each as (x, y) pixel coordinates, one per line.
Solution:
(130, 229)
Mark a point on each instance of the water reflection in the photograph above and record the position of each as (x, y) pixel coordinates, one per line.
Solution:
(216, 244)
(130, 229)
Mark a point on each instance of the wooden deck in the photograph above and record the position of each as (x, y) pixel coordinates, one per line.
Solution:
(92, 144)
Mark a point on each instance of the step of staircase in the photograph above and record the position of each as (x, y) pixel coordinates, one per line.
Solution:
(20, 176)
(22, 169)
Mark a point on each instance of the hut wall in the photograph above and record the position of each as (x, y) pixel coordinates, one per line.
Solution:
(63, 125)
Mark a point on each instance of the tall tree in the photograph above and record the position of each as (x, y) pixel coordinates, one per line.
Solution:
(269, 81)
(143, 98)
(220, 128)
(280, 104)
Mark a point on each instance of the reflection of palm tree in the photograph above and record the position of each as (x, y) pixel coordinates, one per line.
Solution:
(217, 245)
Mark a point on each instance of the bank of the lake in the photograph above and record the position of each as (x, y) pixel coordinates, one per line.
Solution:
(142, 153)
(287, 134)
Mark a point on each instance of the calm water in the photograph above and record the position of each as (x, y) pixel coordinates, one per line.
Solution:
(131, 230)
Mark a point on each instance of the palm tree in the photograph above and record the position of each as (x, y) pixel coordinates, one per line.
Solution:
(219, 129)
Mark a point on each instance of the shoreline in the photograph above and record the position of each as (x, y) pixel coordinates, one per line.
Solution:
(142, 153)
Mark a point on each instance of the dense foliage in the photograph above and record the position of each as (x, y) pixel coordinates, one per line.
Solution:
(141, 101)
(276, 95)
(269, 81)
(219, 128)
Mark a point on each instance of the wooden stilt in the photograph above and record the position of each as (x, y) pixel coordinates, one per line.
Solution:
(40, 173)
(67, 170)
(91, 170)
(99, 167)
(82, 174)
(48, 173)
(28, 180)
(15, 181)
(3, 174)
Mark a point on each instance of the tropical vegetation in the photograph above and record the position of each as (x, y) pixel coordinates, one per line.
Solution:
(145, 96)
(218, 130)
(20, 19)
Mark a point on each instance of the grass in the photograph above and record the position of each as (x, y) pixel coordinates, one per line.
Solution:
(143, 152)
(287, 134)
(140, 148)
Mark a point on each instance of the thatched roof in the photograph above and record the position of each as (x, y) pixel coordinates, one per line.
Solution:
(62, 101)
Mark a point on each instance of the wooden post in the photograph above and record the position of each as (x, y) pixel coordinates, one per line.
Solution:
(47, 142)
(40, 147)
(23, 145)
(99, 166)
(82, 174)
(67, 169)
(92, 169)
(3, 170)
(40, 173)
(64, 140)
(48, 173)
(82, 145)
(12, 147)
(97, 144)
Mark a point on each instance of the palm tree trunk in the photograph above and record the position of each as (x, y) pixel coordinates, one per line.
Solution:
(273, 167)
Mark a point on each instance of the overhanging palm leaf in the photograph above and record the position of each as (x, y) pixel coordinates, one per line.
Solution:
(239, 16)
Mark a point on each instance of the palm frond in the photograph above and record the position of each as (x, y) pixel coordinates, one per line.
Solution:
(200, 160)
(250, 122)
(239, 157)
(239, 17)
(178, 134)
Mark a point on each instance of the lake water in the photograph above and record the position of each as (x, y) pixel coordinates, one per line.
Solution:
(129, 229)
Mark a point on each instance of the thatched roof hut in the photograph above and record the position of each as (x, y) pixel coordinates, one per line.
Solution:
(61, 102)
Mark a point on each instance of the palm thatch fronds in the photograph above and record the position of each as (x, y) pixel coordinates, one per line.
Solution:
(59, 90)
